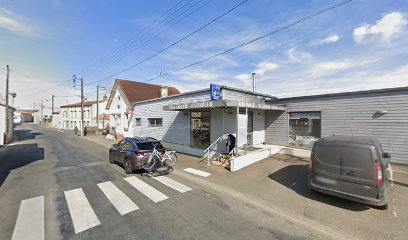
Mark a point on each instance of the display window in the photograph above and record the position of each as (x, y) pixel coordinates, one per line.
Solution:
(304, 129)
(200, 129)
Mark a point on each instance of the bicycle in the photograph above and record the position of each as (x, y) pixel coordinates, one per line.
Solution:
(149, 161)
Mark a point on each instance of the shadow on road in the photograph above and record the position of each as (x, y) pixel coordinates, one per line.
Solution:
(17, 156)
(24, 134)
(295, 178)
(400, 183)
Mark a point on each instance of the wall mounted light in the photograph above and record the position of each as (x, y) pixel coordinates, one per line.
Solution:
(382, 111)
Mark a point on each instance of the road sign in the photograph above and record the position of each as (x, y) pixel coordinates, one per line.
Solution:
(215, 92)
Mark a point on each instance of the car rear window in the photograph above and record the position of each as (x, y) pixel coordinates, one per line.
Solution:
(359, 158)
(328, 154)
(149, 145)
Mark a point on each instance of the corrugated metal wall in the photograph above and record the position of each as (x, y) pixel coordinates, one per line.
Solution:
(356, 115)
(276, 128)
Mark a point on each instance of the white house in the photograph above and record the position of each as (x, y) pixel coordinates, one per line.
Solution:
(10, 129)
(124, 93)
(71, 114)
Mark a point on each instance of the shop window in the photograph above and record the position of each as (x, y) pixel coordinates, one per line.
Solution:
(304, 129)
(138, 122)
(155, 122)
(200, 129)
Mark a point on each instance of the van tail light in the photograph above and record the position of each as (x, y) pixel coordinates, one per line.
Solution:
(380, 177)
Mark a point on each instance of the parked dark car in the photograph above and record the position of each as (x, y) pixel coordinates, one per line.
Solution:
(354, 168)
(130, 151)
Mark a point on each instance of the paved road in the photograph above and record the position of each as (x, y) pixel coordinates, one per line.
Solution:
(57, 186)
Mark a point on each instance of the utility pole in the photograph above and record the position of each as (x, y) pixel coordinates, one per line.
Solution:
(42, 117)
(7, 104)
(82, 107)
(97, 106)
(52, 104)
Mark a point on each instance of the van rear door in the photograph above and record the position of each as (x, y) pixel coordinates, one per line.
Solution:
(326, 167)
(359, 171)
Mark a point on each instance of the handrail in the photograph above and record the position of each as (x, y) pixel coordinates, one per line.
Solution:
(207, 149)
(232, 151)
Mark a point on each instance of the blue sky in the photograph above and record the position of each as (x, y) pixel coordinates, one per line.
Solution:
(361, 45)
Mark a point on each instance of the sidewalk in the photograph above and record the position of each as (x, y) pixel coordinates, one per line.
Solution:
(100, 140)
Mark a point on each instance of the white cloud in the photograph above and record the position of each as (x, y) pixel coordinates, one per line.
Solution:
(264, 67)
(330, 39)
(298, 56)
(15, 24)
(387, 27)
(327, 68)
(198, 75)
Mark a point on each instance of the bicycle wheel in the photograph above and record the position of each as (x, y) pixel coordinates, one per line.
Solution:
(172, 159)
(148, 162)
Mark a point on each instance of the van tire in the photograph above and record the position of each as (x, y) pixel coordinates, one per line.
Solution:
(383, 207)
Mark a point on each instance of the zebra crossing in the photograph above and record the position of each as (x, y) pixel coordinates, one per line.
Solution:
(30, 217)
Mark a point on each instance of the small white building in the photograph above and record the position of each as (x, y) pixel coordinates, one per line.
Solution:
(71, 114)
(3, 130)
(124, 93)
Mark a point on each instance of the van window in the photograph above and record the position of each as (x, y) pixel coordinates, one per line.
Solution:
(359, 158)
(328, 154)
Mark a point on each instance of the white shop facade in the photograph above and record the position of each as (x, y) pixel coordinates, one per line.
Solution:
(194, 124)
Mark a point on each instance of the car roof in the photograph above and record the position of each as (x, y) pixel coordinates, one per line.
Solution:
(360, 140)
(142, 139)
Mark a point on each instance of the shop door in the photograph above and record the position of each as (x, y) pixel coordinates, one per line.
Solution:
(250, 128)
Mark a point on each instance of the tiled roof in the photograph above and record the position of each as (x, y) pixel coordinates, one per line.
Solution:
(79, 104)
(26, 111)
(138, 91)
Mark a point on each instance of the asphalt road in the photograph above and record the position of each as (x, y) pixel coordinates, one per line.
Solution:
(38, 172)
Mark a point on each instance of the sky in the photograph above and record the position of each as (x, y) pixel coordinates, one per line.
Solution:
(360, 45)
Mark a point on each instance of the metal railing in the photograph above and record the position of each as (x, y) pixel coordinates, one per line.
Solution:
(210, 148)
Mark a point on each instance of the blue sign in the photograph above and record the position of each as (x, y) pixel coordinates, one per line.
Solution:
(215, 92)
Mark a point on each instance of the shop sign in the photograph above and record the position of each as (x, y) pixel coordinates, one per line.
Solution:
(192, 105)
(215, 91)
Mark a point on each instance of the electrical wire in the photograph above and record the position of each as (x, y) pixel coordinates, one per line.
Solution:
(320, 12)
(173, 44)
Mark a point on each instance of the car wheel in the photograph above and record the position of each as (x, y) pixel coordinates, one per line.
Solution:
(128, 167)
(111, 161)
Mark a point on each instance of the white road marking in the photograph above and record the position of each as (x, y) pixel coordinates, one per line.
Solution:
(400, 171)
(197, 172)
(30, 219)
(59, 130)
(82, 214)
(173, 184)
(119, 200)
(147, 190)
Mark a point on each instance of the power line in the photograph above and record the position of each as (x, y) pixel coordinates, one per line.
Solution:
(320, 12)
(135, 45)
(130, 40)
(175, 43)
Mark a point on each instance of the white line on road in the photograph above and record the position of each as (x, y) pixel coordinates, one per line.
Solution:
(119, 200)
(30, 219)
(400, 171)
(147, 190)
(82, 214)
(173, 184)
(197, 172)
(59, 130)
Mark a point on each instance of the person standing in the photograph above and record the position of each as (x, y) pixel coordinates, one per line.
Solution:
(85, 131)
(76, 131)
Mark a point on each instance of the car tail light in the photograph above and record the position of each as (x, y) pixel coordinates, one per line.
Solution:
(380, 178)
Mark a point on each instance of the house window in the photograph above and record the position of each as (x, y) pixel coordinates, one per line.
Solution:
(200, 129)
(155, 122)
(138, 122)
(304, 129)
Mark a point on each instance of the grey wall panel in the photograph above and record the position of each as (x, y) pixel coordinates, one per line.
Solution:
(239, 96)
(356, 115)
(276, 128)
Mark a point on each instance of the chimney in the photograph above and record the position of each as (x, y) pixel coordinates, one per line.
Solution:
(105, 98)
(164, 92)
(253, 82)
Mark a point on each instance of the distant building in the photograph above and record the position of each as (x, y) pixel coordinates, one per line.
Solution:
(124, 93)
(3, 130)
(71, 114)
(25, 115)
